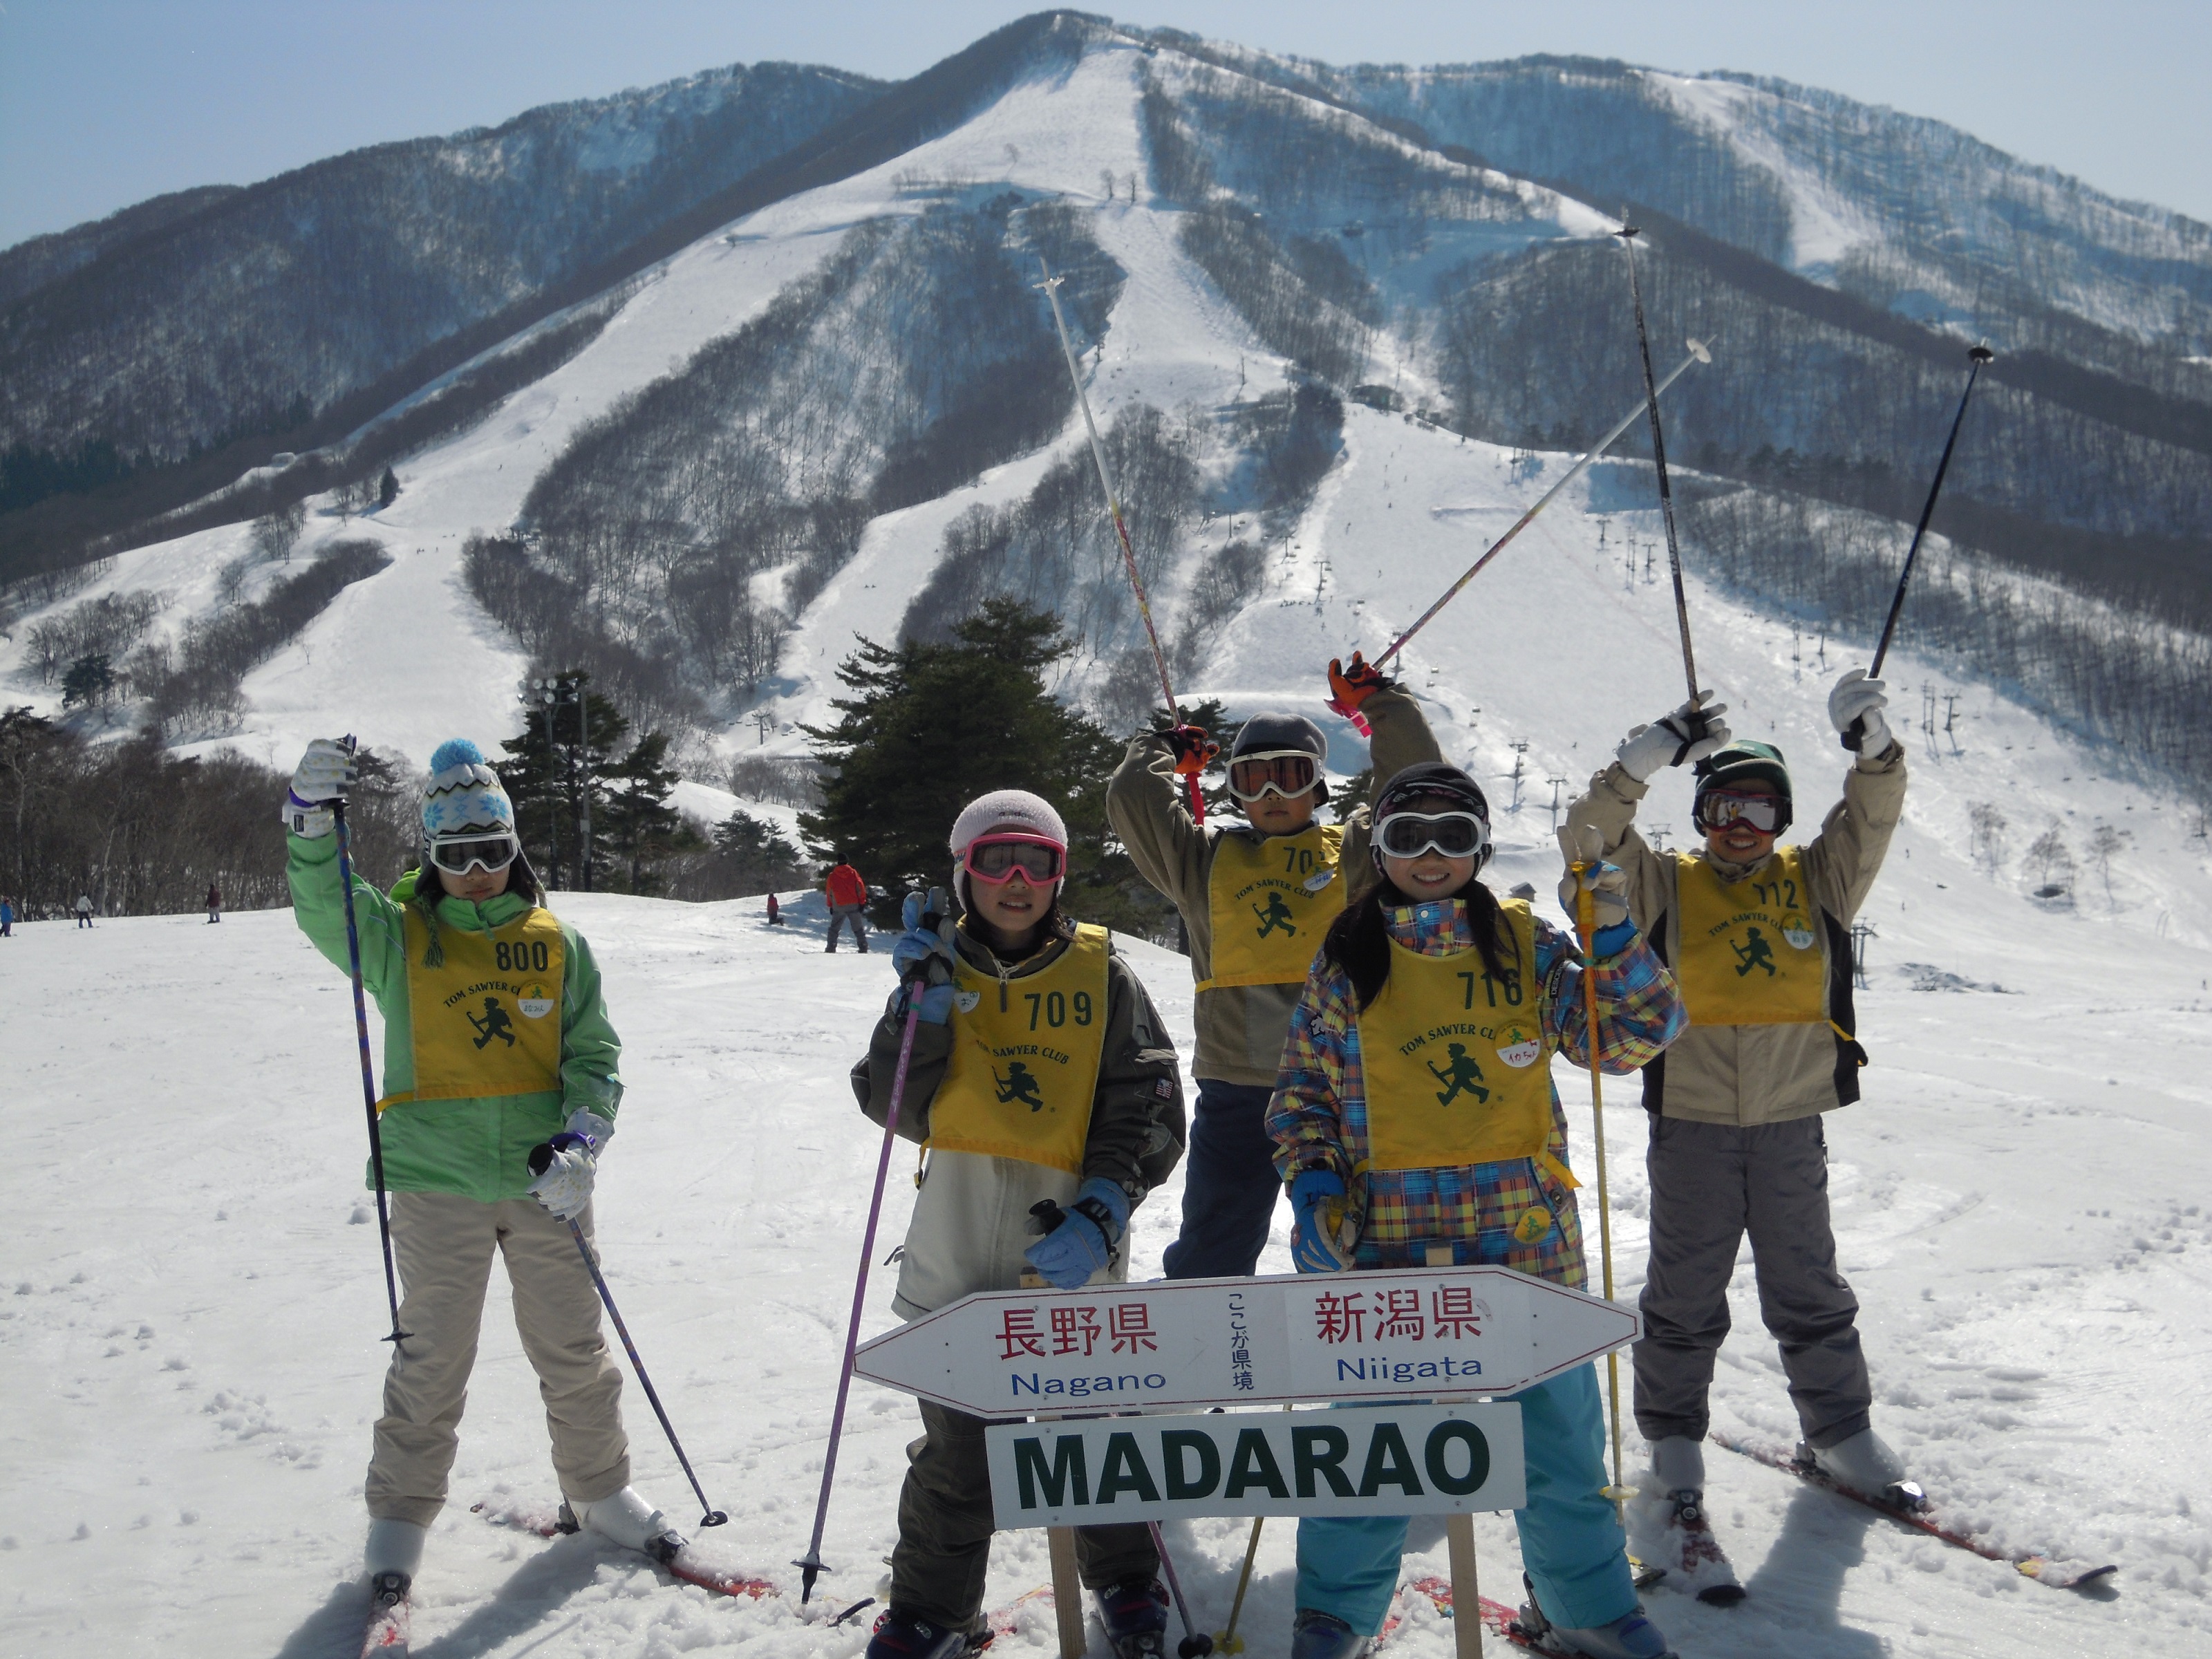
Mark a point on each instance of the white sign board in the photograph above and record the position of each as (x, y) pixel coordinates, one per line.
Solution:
(1381, 1335)
(1365, 1460)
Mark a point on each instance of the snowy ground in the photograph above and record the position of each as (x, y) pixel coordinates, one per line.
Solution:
(188, 1341)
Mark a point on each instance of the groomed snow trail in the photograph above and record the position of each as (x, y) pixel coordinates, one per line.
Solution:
(192, 1300)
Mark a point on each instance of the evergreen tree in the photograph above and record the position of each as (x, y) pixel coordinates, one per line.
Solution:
(754, 858)
(546, 779)
(930, 726)
(387, 489)
(638, 827)
(90, 681)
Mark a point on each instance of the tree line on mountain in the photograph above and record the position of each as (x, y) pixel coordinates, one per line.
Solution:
(676, 534)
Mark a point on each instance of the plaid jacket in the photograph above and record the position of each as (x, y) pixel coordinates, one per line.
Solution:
(1318, 1117)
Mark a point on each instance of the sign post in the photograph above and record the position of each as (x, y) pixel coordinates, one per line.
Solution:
(1119, 1378)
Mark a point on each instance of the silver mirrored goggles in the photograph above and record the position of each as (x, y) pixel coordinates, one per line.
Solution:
(1454, 835)
(1289, 773)
(1716, 809)
(457, 854)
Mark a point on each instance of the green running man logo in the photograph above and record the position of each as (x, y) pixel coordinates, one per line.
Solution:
(1462, 1077)
(494, 1024)
(1019, 1085)
(1276, 915)
(1754, 953)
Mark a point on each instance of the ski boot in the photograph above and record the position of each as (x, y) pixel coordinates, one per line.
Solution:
(902, 1635)
(1865, 1464)
(627, 1519)
(1317, 1635)
(1631, 1636)
(1135, 1614)
(1668, 1532)
(394, 1551)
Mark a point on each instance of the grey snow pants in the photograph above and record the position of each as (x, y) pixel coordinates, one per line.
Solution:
(1710, 1184)
(944, 1547)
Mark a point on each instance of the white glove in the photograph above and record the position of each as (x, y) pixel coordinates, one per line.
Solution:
(1607, 883)
(324, 775)
(565, 1187)
(1856, 699)
(1667, 741)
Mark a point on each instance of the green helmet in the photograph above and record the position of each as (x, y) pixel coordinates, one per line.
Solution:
(1745, 761)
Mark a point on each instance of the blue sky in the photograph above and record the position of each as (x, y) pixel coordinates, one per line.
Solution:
(107, 102)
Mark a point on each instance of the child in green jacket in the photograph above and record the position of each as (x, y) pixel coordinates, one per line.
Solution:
(495, 1042)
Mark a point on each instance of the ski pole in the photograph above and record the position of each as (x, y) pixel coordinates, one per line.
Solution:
(1628, 234)
(1228, 1641)
(1977, 357)
(810, 1564)
(1194, 1645)
(1586, 926)
(1051, 287)
(368, 1074)
(1698, 354)
(541, 1159)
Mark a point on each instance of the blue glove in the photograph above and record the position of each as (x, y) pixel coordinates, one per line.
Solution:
(1084, 1241)
(1313, 1242)
(923, 956)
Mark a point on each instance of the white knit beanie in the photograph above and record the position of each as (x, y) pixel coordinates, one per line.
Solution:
(1002, 809)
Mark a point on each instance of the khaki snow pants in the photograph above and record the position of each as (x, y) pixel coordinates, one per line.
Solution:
(444, 1245)
(1712, 1183)
(943, 1547)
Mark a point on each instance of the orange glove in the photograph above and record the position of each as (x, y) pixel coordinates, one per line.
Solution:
(1194, 749)
(1351, 687)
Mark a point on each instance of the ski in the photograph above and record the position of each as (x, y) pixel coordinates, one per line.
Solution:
(386, 1635)
(2058, 1574)
(1004, 1622)
(685, 1565)
(1497, 1618)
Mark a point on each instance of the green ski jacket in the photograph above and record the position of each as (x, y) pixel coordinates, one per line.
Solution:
(479, 1149)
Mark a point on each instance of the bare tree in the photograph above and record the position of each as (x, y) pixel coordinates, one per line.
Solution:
(2052, 861)
(2104, 841)
(1987, 831)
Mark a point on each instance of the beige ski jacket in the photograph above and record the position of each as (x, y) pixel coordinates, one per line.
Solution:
(1751, 1074)
(1241, 1028)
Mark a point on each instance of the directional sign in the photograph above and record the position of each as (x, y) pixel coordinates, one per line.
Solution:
(1423, 1332)
(1367, 1460)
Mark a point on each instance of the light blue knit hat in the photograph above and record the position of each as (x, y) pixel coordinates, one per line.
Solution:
(464, 794)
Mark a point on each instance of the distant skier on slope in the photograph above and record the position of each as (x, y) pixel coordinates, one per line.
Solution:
(214, 903)
(459, 1122)
(847, 894)
(1106, 1127)
(1737, 1141)
(1379, 1178)
(1250, 952)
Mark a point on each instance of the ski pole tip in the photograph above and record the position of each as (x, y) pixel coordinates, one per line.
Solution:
(1981, 354)
(1700, 350)
(1194, 1647)
(715, 1518)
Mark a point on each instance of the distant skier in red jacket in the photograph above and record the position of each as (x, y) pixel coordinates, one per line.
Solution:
(848, 896)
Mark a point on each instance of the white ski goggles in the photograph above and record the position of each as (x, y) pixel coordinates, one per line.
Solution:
(1289, 773)
(1454, 835)
(459, 854)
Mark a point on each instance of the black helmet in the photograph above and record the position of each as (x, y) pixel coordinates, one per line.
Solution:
(1274, 733)
(1429, 780)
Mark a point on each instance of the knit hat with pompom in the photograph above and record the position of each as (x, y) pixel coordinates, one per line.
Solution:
(464, 794)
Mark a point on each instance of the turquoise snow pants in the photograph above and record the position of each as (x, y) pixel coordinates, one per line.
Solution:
(1570, 1537)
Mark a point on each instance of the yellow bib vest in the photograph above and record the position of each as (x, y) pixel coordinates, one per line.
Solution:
(1455, 1060)
(1751, 953)
(486, 1022)
(1270, 903)
(1021, 1078)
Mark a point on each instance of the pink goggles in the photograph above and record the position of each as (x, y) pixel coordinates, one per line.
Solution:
(1000, 857)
